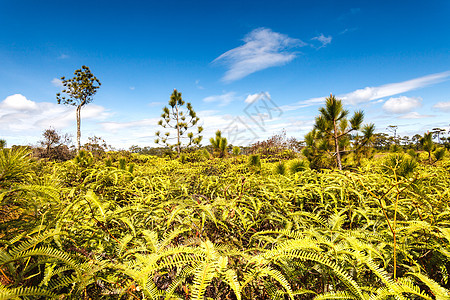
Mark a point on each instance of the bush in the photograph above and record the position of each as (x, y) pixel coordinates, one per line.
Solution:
(413, 153)
(280, 168)
(439, 154)
(399, 164)
(254, 162)
(236, 150)
(298, 166)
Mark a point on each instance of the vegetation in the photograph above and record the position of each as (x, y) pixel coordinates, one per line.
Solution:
(180, 121)
(331, 131)
(277, 147)
(219, 144)
(427, 144)
(343, 219)
(54, 146)
(131, 226)
(80, 91)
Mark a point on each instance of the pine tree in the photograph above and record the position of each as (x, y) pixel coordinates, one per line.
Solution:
(80, 91)
(175, 118)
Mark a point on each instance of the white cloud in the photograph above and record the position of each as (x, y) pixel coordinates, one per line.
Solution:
(401, 104)
(57, 82)
(17, 102)
(415, 115)
(223, 99)
(444, 106)
(375, 93)
(325, 40)
(63, 56)
(263, 48)
(252, 98)
(132, 88)
(302, 104)
(255, 97)
(18, 114)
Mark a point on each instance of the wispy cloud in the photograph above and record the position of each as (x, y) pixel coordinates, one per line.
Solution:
(63, 56)
(263, 49)
(223, 99)
(443, 106)
(387, 90)
(324, 40)
(368, 94)
(415, 115)
(57, 82)
(156, 103)
(140, 124)
(347, 30)
(197, 84)
(402, 104)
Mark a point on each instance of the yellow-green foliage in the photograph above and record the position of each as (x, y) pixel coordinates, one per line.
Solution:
(197, 228)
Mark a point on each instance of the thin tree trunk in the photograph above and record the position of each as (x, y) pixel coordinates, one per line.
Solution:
(78, 128)
(178, 134)
(336, 147)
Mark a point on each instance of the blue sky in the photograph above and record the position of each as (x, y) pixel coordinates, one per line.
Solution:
(231, 60)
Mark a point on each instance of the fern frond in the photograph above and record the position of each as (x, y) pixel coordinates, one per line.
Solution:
(17, 293)
(335, 295)
(203, 276)
(439, 292)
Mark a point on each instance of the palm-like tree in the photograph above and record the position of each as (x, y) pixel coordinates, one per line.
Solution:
(332, 124)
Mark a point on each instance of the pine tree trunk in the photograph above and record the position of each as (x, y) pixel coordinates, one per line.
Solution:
(178, 133)
(336, 147)
(78, 128)
(338, 154)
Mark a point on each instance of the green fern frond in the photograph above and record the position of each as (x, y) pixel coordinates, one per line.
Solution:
(203, 276)
(267, 271)
(300, 253)
(439, 292)
(335, 295)
(17, 293)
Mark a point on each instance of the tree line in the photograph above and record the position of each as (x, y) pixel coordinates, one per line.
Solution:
(333, 137)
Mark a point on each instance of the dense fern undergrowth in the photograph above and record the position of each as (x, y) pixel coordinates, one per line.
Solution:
(143, 227)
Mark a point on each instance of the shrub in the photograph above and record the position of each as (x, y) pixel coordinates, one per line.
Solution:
(413, 153)
(298, 166)
(280, 168)
(439, 154)
(399, 164)
(236, 150)
(254, 162)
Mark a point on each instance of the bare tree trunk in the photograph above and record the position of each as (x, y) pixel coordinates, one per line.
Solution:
(78, 128)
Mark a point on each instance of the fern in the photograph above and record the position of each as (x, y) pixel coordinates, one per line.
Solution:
(17, 293)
